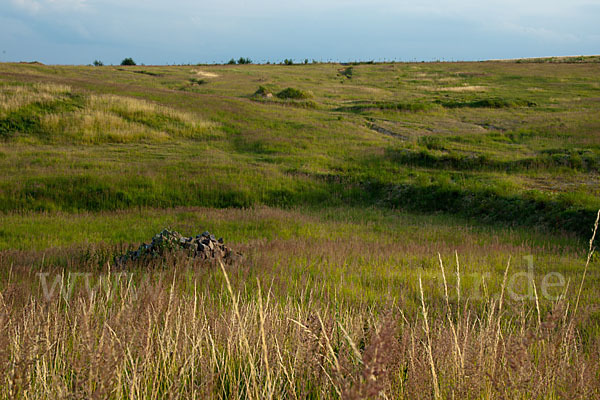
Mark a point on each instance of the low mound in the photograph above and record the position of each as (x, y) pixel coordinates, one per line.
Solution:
(263, 92)
(294, 94)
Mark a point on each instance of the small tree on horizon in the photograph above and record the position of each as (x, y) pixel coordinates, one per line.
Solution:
(98, 63)
(128, 61)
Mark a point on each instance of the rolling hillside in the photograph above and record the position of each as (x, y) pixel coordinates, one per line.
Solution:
(509, 142)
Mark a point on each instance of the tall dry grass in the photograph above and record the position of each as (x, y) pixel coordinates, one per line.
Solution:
(151, 340)
(94, 126)
(60, 114)
(13, 97)
(176, 330)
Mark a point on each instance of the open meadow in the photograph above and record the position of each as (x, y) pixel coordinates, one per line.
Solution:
(408, 230)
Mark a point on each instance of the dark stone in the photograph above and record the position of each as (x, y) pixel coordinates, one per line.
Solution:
(203, 247)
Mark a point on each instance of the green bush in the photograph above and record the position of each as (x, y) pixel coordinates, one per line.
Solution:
(197, 81)
(128, 61)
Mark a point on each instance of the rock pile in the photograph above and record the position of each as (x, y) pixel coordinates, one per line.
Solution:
(203, 247)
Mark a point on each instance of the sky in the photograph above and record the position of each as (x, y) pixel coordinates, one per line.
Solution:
(188, 31)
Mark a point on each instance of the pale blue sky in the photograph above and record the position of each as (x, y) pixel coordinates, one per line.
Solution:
(186, 31)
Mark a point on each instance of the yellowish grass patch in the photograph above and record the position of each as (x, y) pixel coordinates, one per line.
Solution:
(94, 126)
(463, 89)
(205, 74)
(13, 97)
(101, 118)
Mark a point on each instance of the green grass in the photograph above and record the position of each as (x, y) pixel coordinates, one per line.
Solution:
(341, 204)
(498, 142)
(315, 294)
(372, 251)
(522, 134)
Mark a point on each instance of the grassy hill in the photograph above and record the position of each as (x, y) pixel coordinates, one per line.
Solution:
(498, 141)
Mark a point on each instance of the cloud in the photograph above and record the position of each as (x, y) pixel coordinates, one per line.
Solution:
(30, 6)
(184, 30)
(540, 33)
(37, 6)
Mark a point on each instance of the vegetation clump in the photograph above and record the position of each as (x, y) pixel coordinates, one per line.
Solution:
(263, 92)
(347, 72)
(293, 94)
(386, 105)
(197, 81)
(495, 102)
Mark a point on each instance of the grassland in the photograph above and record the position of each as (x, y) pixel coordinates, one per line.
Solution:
(340, 184)
(508, 142)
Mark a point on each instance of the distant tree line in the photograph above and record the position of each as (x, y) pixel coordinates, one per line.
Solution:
(246, 60)
(241, 60)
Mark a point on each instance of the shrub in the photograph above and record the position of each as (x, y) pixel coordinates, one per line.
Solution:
(197, 81)
(128, 61)
(231, 62)
(347, 72)
(98, 63)
(262, 91)
(291, 93)
(288, 62)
